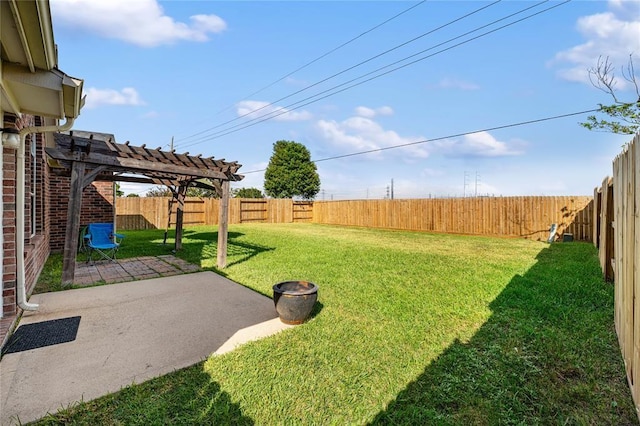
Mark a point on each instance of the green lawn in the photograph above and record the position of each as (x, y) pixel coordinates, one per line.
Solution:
(410, 328)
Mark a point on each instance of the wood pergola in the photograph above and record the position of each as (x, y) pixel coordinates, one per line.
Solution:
(87, 157)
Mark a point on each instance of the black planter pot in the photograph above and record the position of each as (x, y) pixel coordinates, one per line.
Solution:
(294, 300)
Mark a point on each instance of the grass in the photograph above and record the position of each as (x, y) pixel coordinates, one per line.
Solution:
(410, 328)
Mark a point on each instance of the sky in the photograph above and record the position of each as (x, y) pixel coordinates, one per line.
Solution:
(450, 80)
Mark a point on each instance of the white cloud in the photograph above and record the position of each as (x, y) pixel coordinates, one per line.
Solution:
(431, 173)
(615, 33)
(295, 82)
(151, 114)
(363, 111)
(139, 189)
(98, 97)
(480, 144)
(364, 134)
(452, 83)
(260, 109)
(140, 22)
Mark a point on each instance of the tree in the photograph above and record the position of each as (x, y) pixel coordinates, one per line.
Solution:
(159, 191)
(133, 195)
(625, 115)
(290, 172)
(119, 191)
(202, 193)
(247, 193)
(163, 191)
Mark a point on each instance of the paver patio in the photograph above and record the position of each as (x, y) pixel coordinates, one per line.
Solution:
(137, 268)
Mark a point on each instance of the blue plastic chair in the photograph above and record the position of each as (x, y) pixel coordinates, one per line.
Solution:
(101, 239)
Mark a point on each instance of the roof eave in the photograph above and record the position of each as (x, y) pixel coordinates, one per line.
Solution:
(30, 81)
(48, 93)
(37, 41)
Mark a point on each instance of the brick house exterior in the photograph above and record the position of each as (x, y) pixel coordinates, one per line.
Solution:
(45, 214)
(36, 96)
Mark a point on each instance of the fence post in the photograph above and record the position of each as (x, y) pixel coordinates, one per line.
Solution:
(597, 201)
(606, 228)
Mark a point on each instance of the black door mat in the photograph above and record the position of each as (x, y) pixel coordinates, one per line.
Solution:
(41, 334)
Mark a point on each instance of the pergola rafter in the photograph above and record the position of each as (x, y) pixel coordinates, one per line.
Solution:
(87, 157)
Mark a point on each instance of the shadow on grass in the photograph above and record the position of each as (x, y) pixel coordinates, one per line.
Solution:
(196, 246)
(547, 355)
(317, 308)
(187, 396)
(204, 245)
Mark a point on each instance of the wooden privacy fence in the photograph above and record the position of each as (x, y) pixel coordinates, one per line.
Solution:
(153, 212)
(528, 217)
(618, 227)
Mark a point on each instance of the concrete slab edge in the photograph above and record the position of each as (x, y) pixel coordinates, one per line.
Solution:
(252, 333)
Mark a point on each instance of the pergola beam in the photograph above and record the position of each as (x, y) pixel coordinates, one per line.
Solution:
(133, 165)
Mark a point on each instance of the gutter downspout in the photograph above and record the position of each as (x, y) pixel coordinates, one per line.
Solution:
(21, 289)
(2, 225)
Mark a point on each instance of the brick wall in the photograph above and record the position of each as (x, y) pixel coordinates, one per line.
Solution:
(36, 248)
(47, 233)
(9, 231)
(97, 206)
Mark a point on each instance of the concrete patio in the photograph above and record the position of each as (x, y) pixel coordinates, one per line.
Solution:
(103, 271)
(129, 332)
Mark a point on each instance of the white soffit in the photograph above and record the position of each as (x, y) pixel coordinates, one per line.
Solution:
(49, 93)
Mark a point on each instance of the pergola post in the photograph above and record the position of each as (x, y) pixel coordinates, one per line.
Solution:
(180, 196)
(223, 226)
(73, 222)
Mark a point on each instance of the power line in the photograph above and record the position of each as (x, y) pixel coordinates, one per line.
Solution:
(311, 63)
(260, 119)
(488, 129)
(346, 70)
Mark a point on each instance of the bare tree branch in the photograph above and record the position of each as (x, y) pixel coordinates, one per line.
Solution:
(630, 75)
(625, 116)
(603, 77)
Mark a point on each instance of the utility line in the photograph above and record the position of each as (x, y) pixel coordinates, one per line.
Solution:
(488, 129)
(324, 55)
(349, 68)
(285, 109)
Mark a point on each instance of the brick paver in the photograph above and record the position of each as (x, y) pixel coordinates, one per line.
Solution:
(138, 268)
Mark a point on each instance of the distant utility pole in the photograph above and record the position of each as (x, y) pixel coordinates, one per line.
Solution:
(323, 195)
(464, 188)
(477, 180)
(171, 146)
(392, 189)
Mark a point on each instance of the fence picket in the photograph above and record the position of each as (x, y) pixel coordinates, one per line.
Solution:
(618, 223)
